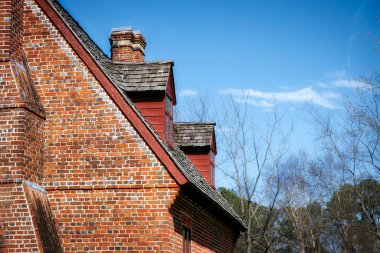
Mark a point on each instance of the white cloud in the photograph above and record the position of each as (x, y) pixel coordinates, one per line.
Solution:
(331, 95)
(349, 83)
(261, 103)
(304, 95)
(338, 80)
(188, 93)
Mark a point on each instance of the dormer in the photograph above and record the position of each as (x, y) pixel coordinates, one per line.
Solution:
(150, 85)
(197, 141)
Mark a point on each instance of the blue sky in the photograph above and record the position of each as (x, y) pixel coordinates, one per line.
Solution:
(296, 52)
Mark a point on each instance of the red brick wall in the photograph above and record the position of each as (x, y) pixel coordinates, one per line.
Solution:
(127, 54)
(16, 226)
(21, 130)
(5, 24)
(10, 29)
(208, 233)
(34, 147)
(114, 220)
(21, 145)
(12, 143)
(10, 96)
(17, 29)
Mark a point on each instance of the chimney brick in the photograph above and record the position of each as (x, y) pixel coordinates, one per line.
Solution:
(127, 45)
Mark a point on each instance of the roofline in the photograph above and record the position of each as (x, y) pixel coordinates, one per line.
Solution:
(191, 189)
(113, 92)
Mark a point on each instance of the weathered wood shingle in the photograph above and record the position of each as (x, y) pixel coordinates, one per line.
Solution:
(189, 134)
(140, 76)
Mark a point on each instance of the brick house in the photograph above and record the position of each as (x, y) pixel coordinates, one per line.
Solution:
(90, 158)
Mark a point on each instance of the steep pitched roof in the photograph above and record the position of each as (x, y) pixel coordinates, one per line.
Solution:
(189, 134)
(107, 66)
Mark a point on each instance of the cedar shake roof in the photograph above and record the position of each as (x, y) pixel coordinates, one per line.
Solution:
(189, 134)
(195, 179)
(140, 76)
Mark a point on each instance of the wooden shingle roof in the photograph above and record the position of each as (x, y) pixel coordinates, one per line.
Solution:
(189, 134)
(140, 76)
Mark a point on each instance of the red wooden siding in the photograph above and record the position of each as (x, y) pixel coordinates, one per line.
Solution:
(153, 107)
(154, 112)
(203, 163)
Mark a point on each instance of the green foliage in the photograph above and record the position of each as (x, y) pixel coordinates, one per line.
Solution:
(354, 212)
(348, 223)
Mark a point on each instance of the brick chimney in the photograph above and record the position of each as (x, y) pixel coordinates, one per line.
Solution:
(127, 45)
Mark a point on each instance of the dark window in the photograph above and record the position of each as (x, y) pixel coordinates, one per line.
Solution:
(169, 119)
(168, 104)
(186, 233)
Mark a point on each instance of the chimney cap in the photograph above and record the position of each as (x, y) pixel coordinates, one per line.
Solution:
(121, 29)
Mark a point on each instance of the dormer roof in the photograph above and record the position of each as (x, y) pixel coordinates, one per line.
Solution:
(191, 134)
(141, 76)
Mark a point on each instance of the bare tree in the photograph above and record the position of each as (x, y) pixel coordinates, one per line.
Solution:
(195, 108)
(304, 212)
(249, 153)
(353, 143)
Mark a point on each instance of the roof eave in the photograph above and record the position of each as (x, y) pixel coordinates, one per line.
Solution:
(191, 189)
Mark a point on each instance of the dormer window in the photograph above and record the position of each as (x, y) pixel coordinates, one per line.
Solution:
(152, 91)
(169, 119)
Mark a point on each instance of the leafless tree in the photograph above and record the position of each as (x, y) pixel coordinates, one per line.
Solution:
(249, 154)
(353, 143)
(304, 212)
(195, 108)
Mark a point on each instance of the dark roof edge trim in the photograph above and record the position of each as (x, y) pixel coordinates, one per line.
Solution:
(191, 189)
